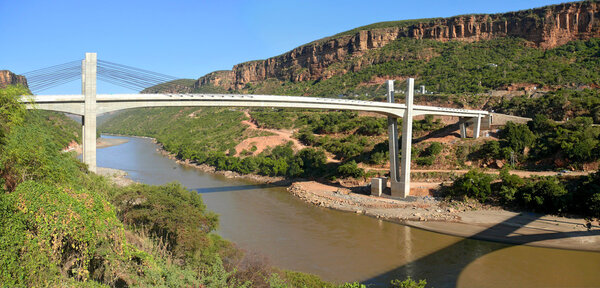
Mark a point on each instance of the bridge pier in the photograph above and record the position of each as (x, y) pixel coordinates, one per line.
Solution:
(476, 121)
(477, 128)
(88, 81)
(462, 127)
(400, 176)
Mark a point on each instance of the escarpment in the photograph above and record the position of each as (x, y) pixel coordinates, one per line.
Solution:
(545, 28)
(10, 78)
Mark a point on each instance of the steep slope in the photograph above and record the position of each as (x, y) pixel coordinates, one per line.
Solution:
(544, 28)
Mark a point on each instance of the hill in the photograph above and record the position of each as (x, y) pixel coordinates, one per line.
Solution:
(475, 52)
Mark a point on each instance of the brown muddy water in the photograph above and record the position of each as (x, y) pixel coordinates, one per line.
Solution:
(341, 247)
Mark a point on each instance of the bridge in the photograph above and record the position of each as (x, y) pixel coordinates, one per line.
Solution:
(89, 105)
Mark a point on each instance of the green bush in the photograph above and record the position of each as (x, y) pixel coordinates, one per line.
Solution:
(509, 187)
(275, 119)
(425, 161)
(171, 213)
(379, 158)
(472, 184)
(372, 126)
(490, 150)
(12, 112)
(517, 136)
(50, 233)
(433, 149)
(40, 159)
(313, 161)
(350, 169)
(427, 124)
(546, 195)
(408, 283)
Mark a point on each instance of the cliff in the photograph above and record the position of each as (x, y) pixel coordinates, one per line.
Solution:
(9, 78)
(545, 28)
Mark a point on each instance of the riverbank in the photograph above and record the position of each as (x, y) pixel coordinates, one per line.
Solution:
(469, 220)
(116, 176)
(464, 219)
(100, 143)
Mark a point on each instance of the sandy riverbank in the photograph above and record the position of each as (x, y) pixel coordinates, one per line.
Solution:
(469, 220)
(100, 143)
(119, 177)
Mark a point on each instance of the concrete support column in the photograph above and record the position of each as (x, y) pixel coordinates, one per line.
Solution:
(407, 122)
(377, 186)
(393, 137)
(89, 119)
(477, 128)
(463, 127)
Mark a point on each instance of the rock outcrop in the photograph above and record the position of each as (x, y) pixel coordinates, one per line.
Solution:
(544, 27)
(10, 78)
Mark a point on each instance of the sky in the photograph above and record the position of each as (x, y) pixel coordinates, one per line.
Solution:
(189, 39)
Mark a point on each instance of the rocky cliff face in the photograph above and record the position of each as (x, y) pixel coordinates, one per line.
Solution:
(9, 78)
(544, 27)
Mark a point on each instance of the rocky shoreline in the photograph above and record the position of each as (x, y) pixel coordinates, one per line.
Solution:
(468, 219)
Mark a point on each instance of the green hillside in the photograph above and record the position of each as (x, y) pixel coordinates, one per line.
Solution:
(455, 67)
(451, 67)
(62, 226)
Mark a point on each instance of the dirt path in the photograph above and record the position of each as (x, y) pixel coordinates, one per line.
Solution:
(520, 173)
(282, 136)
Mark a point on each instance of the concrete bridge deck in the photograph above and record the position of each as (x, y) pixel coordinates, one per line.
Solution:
(89, 105)
(74, 104)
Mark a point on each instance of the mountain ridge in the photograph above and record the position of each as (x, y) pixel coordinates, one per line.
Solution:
(545, 27)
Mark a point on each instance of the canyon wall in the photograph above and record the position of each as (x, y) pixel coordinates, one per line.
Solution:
(9, 78)
(545, 27)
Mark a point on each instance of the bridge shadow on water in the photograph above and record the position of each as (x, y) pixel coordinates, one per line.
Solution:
(276, 184)
(232, 188)
(442, 268)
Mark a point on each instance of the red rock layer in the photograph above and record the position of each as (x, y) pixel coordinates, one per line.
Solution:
(544, 27)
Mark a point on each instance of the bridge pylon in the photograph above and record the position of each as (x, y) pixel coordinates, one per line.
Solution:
(88, 87)
(400, 174)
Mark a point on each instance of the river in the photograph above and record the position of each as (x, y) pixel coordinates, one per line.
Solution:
(340, 246)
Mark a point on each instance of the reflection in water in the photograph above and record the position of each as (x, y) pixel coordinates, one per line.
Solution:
(347, 247)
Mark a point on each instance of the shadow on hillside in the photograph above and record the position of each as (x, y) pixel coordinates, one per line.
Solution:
(442, 132)
(443, 267)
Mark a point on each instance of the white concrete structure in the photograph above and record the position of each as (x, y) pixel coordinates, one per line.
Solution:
(89, 105)
(88, 80)
(377, 185)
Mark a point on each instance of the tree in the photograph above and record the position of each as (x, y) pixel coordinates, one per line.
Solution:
(517, 136)
(313, 160)
(473, 184)
(12, 112)
(350, 169)
(545, 195)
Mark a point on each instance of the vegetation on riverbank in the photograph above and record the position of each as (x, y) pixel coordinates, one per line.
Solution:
(551, 194)
(544, 143)
(63, 226)
(209, 136)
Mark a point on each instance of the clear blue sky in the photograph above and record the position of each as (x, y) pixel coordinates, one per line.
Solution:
(188, 39)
